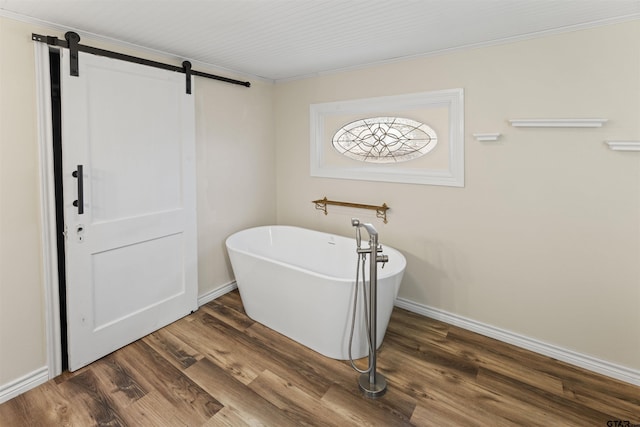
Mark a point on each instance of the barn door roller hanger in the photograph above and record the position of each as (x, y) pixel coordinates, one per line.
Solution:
(72, 42)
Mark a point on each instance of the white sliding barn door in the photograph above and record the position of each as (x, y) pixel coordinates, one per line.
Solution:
(131, 256)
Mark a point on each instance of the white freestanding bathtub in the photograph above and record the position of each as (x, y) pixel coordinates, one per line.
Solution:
(301, 282)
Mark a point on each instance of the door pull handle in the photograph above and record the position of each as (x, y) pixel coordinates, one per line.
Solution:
(80, 202)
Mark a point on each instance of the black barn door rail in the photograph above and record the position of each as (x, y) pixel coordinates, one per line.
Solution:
(72, 42)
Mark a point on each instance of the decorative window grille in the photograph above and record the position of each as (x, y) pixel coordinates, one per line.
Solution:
(384, 140)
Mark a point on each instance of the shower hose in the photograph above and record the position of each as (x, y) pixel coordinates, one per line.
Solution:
(366, 315)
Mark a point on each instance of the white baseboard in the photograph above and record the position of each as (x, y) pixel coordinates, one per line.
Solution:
(603, 367)
(14, 388)
(216, 293)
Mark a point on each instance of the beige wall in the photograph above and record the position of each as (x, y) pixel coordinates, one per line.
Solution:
(236, 170)
(234, 127)
(22, 347)
(544, 239)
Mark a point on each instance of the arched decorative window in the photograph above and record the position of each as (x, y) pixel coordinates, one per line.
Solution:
(384, 139)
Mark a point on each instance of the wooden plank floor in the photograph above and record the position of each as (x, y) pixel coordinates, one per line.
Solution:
(217, 367)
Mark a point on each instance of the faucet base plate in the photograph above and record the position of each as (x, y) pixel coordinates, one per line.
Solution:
(373, 390)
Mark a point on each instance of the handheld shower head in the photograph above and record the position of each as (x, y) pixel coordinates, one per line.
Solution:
(356, 223)
(369, 227)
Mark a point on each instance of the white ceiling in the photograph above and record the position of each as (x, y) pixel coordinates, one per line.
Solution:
(284, 39)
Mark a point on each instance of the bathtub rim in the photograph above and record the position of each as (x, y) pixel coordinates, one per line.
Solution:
(381, 275)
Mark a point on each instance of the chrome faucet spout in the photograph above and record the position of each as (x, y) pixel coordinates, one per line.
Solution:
(370, 229)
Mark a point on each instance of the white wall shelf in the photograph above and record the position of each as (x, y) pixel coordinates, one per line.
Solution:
(624, 145)
(558, 123)
(486, 136)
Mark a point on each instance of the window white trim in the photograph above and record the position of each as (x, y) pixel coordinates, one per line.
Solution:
(451, 99)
